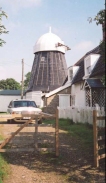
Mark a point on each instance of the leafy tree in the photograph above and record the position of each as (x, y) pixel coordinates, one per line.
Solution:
(10, 84)
(100, 17)
(26, 81)
(100, 20)
(2, 27)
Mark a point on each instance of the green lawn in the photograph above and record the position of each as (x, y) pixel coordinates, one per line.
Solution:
(84, 132)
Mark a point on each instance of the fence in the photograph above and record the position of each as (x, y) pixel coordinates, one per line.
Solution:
(81, 115)
(33, 116)
(99, 139)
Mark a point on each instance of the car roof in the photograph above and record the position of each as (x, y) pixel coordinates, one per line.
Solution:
(22, 100)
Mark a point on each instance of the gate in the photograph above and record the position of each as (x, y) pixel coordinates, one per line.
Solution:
(99, 139)
(35, 117)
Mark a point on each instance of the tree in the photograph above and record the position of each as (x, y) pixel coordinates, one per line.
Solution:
(26, 81)
(2, 27)
(10, 84)
(100, 17)
(100, 20)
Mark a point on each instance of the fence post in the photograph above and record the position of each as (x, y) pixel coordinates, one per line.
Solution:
(95, 133)
(57, 134)
(36, 134)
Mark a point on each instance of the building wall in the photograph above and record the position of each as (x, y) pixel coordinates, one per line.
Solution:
(65, 91)
(52, 102)
(36, 96)
(79, 92)
(5, 100)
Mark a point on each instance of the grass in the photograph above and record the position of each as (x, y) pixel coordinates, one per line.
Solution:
(84, 132)
(3, 113)
(3, 166)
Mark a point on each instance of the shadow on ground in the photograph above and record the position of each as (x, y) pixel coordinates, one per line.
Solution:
(75, 162)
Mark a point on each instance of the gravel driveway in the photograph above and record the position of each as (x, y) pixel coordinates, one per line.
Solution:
(74, 165)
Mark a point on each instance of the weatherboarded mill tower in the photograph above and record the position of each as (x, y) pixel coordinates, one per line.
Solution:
(49, 68)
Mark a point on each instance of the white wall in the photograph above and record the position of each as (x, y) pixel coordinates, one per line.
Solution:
(5, 100)
(79, 93)
(36, 96)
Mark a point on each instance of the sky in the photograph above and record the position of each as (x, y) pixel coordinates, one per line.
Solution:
(30, 19)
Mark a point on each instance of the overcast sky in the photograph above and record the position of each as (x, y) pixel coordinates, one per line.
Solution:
(30, 19)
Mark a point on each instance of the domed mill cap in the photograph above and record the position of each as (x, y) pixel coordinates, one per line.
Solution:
(49, 42)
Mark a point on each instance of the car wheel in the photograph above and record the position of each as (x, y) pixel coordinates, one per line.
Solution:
(10, 121)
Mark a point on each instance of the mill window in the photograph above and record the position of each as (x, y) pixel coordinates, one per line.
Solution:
(42, 59)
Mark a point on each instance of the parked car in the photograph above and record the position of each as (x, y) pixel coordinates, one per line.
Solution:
(22, 105)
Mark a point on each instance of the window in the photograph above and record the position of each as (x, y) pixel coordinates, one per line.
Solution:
(71, 74)
(88, 70)
(73, 100)
(88, 66)
(24, 104)
(10, 104)
(42, 59)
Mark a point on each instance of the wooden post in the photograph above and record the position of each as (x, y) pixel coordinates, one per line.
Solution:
(57, 135)
(22, 84)
(36, 134)
(95, 132)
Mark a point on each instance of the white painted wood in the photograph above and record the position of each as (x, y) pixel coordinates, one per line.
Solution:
(81, 115)
(64, 100)
(79, 93)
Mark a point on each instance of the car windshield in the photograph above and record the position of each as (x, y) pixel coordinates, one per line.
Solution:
(24, 104)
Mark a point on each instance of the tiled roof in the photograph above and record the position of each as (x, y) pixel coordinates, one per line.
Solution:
(65, 80)
(10, 92)
(98, 69)
(95, 51)
(80, 73)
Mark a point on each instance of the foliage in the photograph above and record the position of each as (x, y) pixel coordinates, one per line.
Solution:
(26, 81)
(2, 27)
(100, 17)
(3, 166)
(100, 20)
(10, 84)
(84, 132)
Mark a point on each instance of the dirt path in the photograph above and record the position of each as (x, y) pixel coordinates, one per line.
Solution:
(74, 164)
